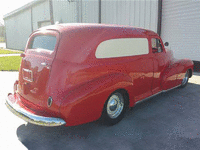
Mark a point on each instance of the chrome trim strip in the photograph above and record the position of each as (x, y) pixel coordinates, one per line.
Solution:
(148, 97)
(163, 91)
(172, 88)
(32, 118)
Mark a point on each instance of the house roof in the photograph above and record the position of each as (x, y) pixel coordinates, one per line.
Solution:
(16, 11)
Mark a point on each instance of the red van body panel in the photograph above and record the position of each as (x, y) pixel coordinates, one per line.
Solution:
(79, 83)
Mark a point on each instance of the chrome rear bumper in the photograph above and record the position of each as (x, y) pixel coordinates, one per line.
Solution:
(32, 118)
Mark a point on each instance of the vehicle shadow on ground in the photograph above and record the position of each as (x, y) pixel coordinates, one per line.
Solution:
(37, 137)
(146, 126)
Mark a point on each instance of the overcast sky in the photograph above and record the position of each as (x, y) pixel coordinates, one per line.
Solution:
(7, 6)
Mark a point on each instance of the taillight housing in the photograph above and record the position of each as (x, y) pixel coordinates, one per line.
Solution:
(16, 86)
(49, 101)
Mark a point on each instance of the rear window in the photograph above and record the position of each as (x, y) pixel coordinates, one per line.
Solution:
(44, 42)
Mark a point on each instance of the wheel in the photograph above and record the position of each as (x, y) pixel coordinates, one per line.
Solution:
(185, 79)
(115, 108)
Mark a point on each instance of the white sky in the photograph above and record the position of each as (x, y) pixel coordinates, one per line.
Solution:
(7, 6)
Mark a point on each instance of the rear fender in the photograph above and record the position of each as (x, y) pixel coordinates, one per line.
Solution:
(85, 103)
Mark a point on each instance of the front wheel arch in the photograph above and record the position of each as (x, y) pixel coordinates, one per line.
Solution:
(185, 79)
(190, 73)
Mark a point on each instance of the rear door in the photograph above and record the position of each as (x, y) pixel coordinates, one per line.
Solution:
(36, 66)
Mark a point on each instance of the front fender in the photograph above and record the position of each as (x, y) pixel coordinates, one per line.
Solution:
(169, 77)
(85, 103)
(175, 72)
(184, 65)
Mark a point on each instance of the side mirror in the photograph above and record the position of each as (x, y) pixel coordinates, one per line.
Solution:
(166, 44)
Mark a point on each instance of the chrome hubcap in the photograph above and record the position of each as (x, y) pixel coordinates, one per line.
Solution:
(115, 105)
(185, 79)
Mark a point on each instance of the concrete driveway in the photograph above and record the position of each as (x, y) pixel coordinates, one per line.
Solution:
(5, 55)
(170, 121)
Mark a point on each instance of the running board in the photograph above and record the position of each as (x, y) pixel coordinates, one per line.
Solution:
(163, 91)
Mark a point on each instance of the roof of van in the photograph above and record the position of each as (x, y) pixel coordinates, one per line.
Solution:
(77, 26)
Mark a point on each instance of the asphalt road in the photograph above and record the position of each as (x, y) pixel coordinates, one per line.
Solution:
(169, 121)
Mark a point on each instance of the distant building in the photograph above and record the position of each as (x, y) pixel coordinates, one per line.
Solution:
(176, 21)
(2, 33)
(21, 22)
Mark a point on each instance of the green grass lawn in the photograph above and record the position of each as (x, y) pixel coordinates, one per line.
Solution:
(10, 63)
(3, 51)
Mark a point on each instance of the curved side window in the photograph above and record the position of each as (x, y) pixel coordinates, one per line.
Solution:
(122, 47)
(44, 42)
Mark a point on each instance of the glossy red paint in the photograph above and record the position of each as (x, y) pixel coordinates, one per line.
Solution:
(79, 83)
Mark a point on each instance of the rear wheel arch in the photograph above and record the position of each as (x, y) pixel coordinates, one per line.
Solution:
(125, 94)
(105, 117)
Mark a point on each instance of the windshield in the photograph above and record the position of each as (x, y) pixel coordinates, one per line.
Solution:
(44, 42)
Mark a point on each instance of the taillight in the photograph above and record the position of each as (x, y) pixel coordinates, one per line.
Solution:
(22, 55)
(49, 101)
(16, 86)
